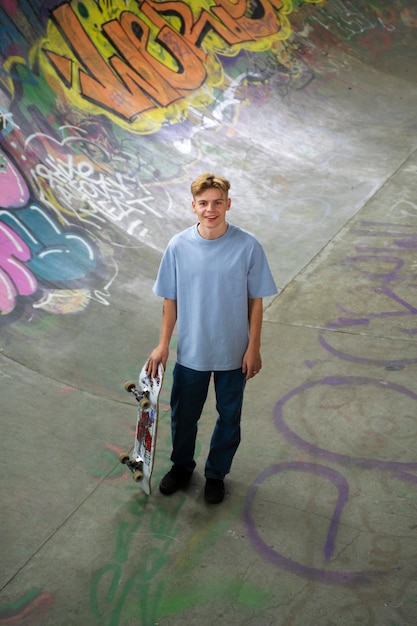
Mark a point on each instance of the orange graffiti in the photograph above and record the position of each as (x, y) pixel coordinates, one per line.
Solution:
(98, 83)
(151, 63)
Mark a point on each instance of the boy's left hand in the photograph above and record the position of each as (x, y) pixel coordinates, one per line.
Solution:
(252, 363)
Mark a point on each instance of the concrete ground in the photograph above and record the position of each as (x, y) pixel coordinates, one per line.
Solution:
(319, 523)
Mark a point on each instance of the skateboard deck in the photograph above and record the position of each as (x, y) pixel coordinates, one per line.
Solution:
(140, 460)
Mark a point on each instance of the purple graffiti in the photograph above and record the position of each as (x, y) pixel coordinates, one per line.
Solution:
(357, 359)
(387, 277)
(341, 484)
(404, 240)
(14, 190)
(399, 470)
(408, 244)
(389, 293)
(341, 322)
(343, 459)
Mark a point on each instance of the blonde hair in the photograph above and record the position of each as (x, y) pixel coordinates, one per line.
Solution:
(208, 181)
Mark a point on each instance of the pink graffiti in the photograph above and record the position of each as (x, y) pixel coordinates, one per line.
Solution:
(14, 190)
(15, 277)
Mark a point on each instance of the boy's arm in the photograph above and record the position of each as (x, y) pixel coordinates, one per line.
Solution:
(252, 361)
(161, 352)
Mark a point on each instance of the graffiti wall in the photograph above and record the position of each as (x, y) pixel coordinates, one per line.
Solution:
(107, 107)
(101, 108)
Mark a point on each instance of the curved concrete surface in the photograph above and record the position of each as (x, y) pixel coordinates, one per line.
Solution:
(108, 111)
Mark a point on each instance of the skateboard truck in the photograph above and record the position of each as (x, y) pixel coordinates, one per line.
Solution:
(141, 396)
(135, 466)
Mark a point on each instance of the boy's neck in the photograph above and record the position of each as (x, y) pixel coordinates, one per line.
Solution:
(212, 234)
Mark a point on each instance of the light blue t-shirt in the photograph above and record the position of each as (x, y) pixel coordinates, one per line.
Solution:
(211, 280)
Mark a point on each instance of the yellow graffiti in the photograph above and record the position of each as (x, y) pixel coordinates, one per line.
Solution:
(142, 62)
(148, 62)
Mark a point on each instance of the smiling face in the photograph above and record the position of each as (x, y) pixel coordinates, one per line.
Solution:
(211, 206)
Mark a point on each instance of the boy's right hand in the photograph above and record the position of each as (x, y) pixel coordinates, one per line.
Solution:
(157, 356)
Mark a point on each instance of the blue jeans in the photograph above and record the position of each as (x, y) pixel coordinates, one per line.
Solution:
(189, 393)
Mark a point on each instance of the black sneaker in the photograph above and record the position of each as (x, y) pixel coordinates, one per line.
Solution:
(177, 478)
(214, 491)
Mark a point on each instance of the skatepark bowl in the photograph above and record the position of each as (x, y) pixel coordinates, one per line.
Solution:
(108, 110)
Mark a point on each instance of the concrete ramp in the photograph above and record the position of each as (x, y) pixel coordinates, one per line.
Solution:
(108, 111)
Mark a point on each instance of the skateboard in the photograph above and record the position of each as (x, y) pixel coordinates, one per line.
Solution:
(141, 458)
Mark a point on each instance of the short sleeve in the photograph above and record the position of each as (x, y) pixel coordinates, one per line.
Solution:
(260, 279)
(166, 281)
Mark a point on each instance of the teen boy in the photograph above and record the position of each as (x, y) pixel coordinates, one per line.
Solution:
(212, 277)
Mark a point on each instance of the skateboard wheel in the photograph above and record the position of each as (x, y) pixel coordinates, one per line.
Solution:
(124, 457)
(129, 385)
(137, 476)
(145, 403)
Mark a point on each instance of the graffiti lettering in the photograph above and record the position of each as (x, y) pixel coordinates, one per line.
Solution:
(385, 270)
(109, 591)
(94, 196)
(287, 563)
(147, 73)
(399, 470)
(334, 382)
